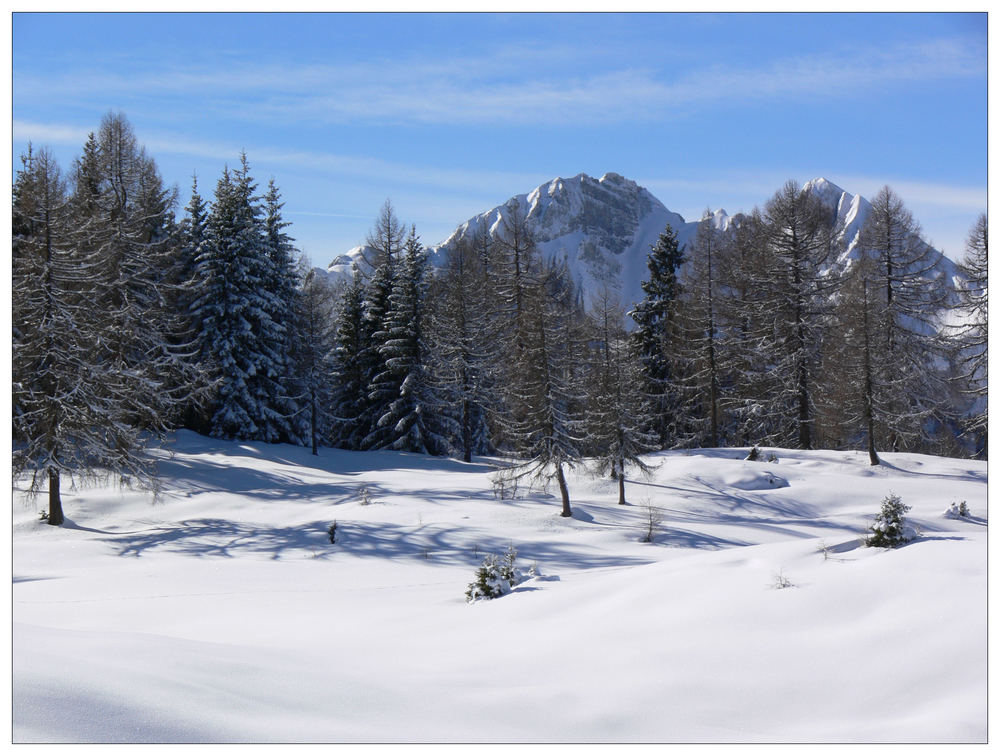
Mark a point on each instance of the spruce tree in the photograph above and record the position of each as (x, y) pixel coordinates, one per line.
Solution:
(656, 333)
(235, 310)
(186, 292)
(348, 377)
(408, 423)
(381, 388)
(283, 283)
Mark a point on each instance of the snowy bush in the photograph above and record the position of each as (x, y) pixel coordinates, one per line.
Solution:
(888, 529)
(495, 577)
(364, 496)
(957, 511)
(332, 532)
(653, 517)
(504, 485)
(756, 455)
(780, 581)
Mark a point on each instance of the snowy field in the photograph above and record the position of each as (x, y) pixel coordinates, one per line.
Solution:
(222, 612)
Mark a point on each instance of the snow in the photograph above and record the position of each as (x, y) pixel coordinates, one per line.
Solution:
(221, 612)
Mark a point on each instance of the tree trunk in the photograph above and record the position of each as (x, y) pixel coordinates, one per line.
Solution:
(466, 431)
(55, 501)
(869, 387)
(621, 483)
(564, 490)
(312, 423)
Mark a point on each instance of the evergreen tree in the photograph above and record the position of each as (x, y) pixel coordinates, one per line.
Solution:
(656, 333)
(381, 389)
(409, 421)
(349, 380)
(283, 283)
(235, 310)
(186, 292)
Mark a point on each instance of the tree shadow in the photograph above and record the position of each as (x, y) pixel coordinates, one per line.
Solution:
(446, 545)
(971, 475)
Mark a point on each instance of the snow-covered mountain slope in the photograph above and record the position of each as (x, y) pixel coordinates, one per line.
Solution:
(222, 612)
(604, 228)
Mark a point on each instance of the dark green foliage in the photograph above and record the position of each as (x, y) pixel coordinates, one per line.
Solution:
(656, 333)
(888, 529)
(495, 577)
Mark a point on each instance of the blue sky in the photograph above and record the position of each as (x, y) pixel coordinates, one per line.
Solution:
(449, 115)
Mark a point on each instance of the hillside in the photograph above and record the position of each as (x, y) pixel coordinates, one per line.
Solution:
(222, 612)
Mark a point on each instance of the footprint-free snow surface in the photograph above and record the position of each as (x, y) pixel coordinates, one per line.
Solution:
(222, 612)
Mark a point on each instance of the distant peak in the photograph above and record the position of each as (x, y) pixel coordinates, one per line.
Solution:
(822, 186)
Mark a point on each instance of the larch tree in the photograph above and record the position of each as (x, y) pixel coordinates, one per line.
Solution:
(545, 384)
(461, 348)
(799, 247)
(701, 343)
(971, 338)
(74, 410)
(313, 356)
(124, 222)
(618, 410)
(57, 392)
(746, 344)
(909, 297)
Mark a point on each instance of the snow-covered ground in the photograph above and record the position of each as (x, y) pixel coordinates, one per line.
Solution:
(222, 612)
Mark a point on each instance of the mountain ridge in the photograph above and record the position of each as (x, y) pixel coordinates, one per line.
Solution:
(604, 228)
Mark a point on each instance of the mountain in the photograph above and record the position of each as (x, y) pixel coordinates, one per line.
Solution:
(604, 228)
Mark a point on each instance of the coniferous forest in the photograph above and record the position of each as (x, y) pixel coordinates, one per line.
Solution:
(133, 316)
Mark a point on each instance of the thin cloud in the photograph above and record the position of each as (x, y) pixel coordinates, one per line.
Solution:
(966, 198)
(544, 86)
(48, 133)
